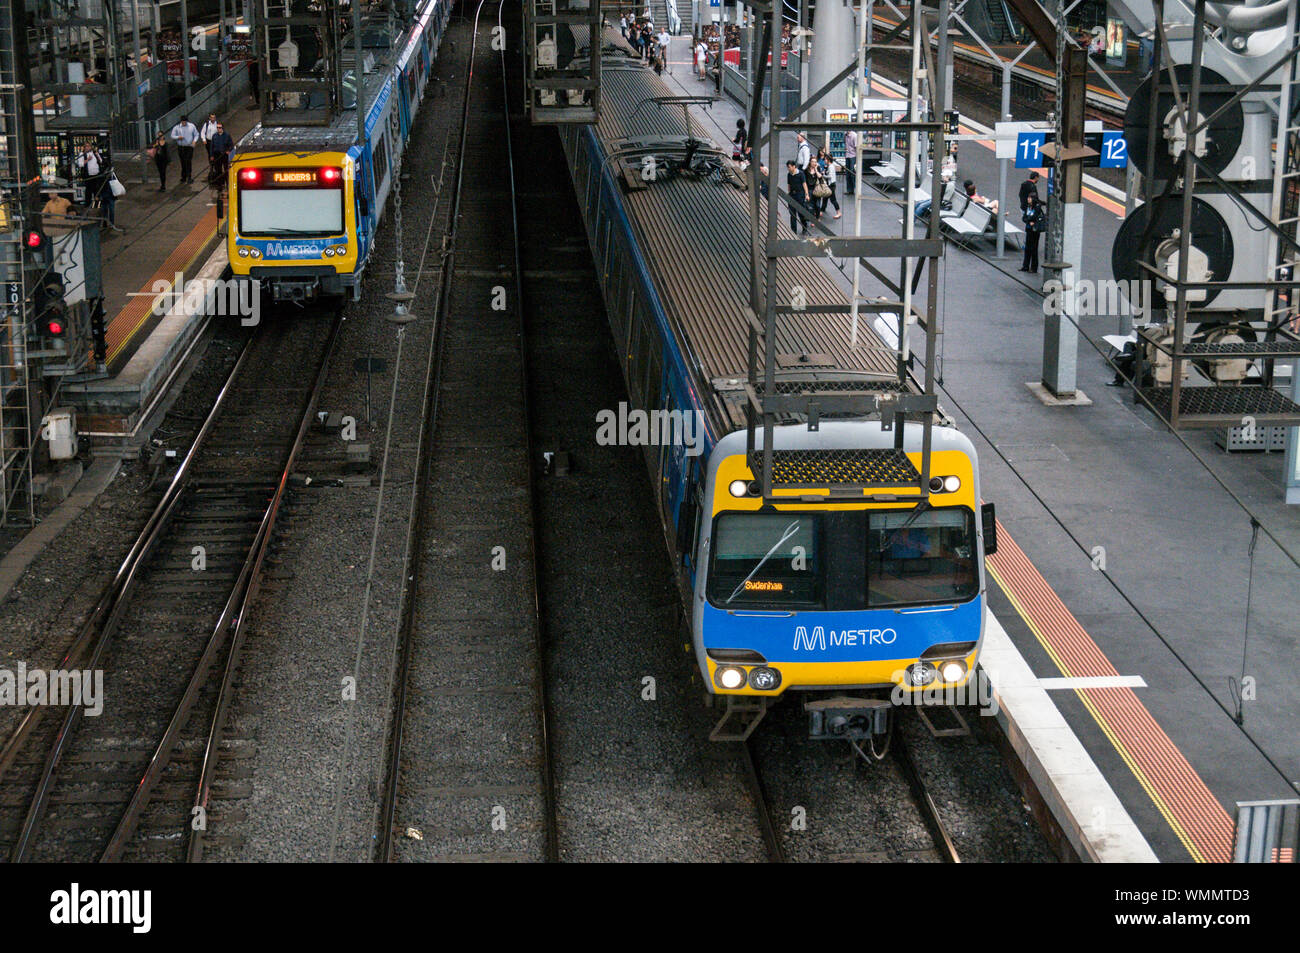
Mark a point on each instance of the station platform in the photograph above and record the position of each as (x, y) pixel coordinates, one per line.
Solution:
(1125, 553)
(1034, 66)
(165, 236)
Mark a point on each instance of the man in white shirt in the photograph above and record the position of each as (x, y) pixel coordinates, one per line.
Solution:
(622, 25)
(186, 135)
(208, 130)
(805, 153)
(701, 52)
(664, 41)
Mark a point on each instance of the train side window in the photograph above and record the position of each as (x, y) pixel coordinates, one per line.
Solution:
(617, 284)
(650, 389)
(380, 162)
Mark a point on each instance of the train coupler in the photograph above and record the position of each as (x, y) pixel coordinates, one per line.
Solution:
(844, 718)
(741, 717)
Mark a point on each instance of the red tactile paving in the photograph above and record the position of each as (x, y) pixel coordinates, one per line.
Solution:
(1195, 815)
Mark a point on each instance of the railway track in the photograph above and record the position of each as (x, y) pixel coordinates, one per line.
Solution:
(469, 771)
(872, 809)
(136, 781)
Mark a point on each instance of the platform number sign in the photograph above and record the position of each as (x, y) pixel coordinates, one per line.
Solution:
(1114, 150)
(1029, 150)
(1110, 146)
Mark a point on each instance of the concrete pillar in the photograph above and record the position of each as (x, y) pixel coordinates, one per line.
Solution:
(1060, 328)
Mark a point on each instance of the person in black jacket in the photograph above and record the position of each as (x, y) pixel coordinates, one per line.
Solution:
(158, 152)
(796, 183)
(1027, 188)
(219, 150)
(1035, 219)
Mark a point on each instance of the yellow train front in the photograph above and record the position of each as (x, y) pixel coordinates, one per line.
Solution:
(306, 201)
(293, 224)
(853, 602)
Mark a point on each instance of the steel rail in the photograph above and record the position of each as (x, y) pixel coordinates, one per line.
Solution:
(95, 638)
(109, 596)
(245, 590)
(424, 458)
(771, 838)
(925, 804)
(544, 696)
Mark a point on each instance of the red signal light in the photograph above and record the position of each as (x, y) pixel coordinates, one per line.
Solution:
(54, 328)
(35, 239)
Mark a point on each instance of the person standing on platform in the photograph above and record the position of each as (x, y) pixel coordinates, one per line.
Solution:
(219, 151)
(1027, 188)
(701, 53)
(850, 161)
(622, 25)
(739, 141)
(826, 166)
(664, 41)
(804, 158)
(796, 183)
(1035, 220)
(161, 157)
(96, 171)
(186, 135)
(206, 132)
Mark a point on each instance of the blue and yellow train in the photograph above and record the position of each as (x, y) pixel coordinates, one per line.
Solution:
(850, 602)
(305, 201)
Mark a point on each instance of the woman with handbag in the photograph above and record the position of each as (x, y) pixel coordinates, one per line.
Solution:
(158, 152)
(826, 168)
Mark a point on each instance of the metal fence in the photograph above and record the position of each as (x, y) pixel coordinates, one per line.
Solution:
(212, 98)
(215, 97)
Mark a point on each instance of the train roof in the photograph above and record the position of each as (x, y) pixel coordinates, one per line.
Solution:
(341, 134)
(695, 234)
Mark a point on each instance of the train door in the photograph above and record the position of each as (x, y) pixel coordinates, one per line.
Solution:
(363, 193)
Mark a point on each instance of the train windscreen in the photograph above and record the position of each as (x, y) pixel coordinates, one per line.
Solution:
(915, 558)
(292, 202)
(843, 560)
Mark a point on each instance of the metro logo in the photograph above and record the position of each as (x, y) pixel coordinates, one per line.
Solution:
(818, 639)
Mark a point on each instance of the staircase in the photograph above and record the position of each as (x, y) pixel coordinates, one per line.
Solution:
(1003, 28)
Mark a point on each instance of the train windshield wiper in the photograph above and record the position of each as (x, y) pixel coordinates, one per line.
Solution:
(911, 518)
(789, 531)
(286, 231)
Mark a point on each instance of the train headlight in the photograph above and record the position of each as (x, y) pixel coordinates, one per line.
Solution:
(953, 671)
(243, 252)
(744, 488)
(729, 677)
(254, 253)
(764, 679)
(920, 674)
(328, 252)
(951, 484)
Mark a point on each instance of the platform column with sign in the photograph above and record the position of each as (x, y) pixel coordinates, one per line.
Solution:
(561, 75)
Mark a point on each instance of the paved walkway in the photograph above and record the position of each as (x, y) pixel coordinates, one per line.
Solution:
(163, 233)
